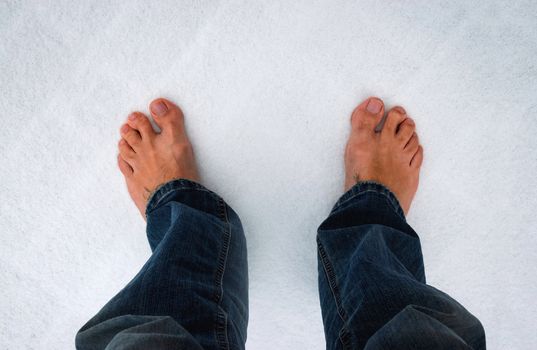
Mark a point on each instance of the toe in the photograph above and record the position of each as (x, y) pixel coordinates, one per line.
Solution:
(395, 116)
(368, 114)
(125, 168)
(168, 116)
(405, 131)
(417, 160)
(131, 135)
(412, 145)
(126, 151)
(139, 122)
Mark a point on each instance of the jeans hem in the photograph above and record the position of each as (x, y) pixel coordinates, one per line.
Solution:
(363, 187)
(173, 185)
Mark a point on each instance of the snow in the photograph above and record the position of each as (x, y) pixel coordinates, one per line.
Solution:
(267, 89)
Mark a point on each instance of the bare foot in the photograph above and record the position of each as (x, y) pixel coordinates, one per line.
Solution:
(148, 159)
(391, 157)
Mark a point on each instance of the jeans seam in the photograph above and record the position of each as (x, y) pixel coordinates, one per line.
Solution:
(221, 318)
(343, 334)
(221, 329)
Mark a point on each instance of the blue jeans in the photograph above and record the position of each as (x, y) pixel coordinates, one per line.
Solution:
(193, 291)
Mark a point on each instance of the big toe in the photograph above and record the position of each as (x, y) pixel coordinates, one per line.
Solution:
(368, 114)
(168, 116)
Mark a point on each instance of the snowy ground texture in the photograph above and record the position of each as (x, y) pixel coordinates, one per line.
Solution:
(267, 89)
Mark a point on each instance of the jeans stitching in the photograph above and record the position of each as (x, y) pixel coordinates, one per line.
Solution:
(221, 319)
(343, 334)
(221, 329)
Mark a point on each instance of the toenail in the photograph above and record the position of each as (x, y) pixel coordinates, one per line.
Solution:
(124, 128)
(159, 108)
(133, 116)
(374, 106)
(400, 110)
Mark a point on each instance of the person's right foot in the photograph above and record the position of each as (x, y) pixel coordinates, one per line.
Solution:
(391, 157)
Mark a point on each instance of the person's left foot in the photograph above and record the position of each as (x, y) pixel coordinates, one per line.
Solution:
(148, 159)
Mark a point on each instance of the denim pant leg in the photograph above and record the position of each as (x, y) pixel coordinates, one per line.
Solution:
(193, 291)
(372, 282)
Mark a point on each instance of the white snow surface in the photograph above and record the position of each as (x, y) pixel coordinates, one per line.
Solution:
(267, 88)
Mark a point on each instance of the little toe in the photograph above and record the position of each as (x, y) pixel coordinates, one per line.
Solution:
(141, 123)
(395, 116)
(405, 131)
(125, 168)
(417, 160)
(126, 151)
(168, 116)
(131, 135)
(368, 114)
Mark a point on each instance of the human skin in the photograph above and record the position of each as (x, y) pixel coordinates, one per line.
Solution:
(391, 156)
